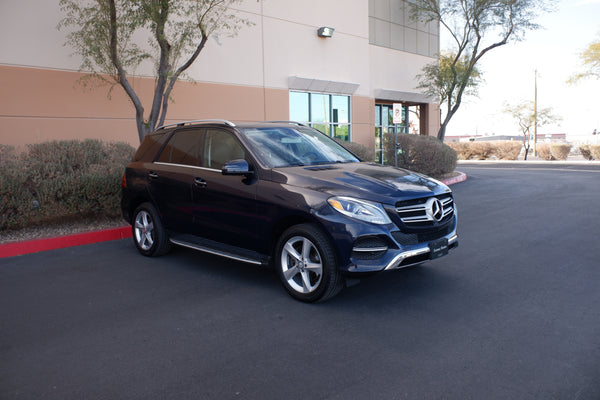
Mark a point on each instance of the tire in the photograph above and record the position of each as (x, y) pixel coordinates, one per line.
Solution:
(306, 264)
(149, 236)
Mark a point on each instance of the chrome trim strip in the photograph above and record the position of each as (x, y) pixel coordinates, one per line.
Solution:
(413, 253)
(407, 254)
(215, 252)
(187, 166)
(368, 249)
(453, 239)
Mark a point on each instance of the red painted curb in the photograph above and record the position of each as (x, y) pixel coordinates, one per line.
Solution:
(460, 178)
(34, 246)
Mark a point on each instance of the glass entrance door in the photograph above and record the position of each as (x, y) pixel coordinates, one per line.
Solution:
(384, 125)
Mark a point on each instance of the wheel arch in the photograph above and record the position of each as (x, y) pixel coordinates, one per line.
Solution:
(285, 223)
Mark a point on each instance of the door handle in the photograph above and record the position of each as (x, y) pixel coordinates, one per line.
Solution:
(152, 175)
(200, 182)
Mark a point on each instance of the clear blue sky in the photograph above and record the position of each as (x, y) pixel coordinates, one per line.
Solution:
(554, 52)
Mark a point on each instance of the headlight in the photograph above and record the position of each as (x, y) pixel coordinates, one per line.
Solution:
(360, 209)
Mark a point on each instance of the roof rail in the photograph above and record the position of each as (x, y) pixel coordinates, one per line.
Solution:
(288, 122)
(222, 121)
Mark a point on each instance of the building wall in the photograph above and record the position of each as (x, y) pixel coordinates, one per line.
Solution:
(244, 78)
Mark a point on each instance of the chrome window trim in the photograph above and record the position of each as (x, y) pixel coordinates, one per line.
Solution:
(187, 166)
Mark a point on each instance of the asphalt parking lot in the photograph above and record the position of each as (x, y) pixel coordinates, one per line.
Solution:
(513, 313)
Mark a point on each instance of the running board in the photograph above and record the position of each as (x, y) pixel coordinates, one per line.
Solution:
(218, 249)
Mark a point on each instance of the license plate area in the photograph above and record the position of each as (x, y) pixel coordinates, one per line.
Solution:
(438, 248)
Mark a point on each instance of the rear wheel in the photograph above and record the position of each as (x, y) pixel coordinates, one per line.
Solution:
(306, 264)
(148, 233)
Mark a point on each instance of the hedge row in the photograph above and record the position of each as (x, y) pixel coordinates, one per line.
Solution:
(590, 152)
(424, 154)
(361, 151)
(558, 151)
(502, 150)
(61, 180)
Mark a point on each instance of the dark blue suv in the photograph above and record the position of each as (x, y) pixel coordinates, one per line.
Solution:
(283, 194)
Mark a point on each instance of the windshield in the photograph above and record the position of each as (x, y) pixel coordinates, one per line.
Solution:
(295, 146)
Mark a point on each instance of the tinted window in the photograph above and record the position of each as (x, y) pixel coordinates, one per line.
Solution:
(150, 146)
(183, 148)
(220, 147)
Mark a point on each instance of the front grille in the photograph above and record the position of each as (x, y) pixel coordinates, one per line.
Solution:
(427, 211)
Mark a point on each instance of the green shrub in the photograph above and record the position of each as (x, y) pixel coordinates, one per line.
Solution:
(586, 152)
(595, 150)
(363, 152)
(560, 151)
(17, 193)
(424, 154)
(507, 150)
(61, 180)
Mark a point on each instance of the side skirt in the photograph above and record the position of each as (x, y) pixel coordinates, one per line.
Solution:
(220, 249)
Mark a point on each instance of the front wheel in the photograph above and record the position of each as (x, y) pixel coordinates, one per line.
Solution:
(306, 264)
(148, 233)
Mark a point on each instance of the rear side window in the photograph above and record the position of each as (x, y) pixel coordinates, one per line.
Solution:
(149, 146)
(183, 148)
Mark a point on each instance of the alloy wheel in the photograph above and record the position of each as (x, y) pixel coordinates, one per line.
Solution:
(301, 264)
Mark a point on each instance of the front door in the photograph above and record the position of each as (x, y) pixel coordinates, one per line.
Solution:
(224, 206)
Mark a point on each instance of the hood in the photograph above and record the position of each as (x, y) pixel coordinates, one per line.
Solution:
(368, 181)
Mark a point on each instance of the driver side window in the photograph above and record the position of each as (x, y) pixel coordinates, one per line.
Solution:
(220, 147)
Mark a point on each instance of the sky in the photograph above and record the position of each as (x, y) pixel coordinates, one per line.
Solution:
(509, 74)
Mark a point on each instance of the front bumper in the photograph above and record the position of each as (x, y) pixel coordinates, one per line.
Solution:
(365, 249)
(396, 258)
(418, 255)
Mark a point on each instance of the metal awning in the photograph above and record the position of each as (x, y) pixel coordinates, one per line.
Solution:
(403, 97)
(320, 85)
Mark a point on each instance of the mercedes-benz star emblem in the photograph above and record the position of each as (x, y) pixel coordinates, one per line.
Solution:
(435, 209)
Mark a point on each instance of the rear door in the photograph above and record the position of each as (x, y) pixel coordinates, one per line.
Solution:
(171, 176)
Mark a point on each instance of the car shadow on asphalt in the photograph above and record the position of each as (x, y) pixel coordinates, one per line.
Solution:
(428, 281)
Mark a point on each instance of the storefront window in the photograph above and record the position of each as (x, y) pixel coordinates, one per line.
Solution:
(299, 110)
(326, 112)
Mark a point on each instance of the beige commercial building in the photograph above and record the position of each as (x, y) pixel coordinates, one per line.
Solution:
(279, 68)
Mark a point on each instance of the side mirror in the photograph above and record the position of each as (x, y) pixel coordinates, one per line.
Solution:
(237, 167)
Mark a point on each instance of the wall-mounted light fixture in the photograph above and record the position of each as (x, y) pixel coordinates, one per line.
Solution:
(325, 31)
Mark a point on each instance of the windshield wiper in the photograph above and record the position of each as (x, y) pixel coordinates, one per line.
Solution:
(332, 162)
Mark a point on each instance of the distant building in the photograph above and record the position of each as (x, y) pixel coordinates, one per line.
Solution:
(552, 138)
(542, 138)
(480, 138)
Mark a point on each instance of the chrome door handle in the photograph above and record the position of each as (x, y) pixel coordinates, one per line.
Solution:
(200, 182)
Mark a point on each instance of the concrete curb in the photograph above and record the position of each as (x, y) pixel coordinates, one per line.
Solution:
(79, 239)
